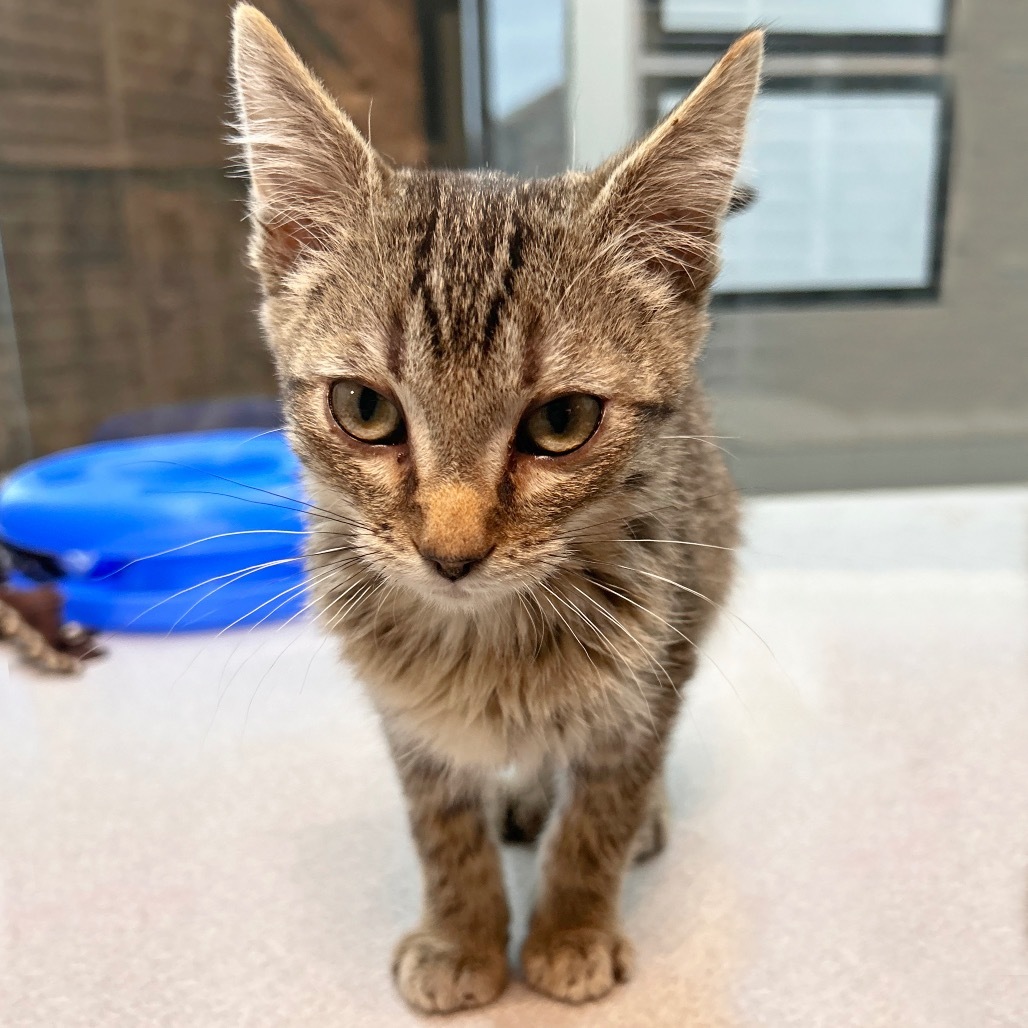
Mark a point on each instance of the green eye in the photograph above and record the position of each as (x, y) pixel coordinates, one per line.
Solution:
(560, 426)
(366, 415)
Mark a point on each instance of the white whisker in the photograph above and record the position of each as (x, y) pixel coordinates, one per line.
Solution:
(271, 667)
(223, 690)
(682, 635)
(615, 652)
(610, 617)
(206, 539)
(706, 440)
(574, 634)
(673, 542)
(669, 581)
(292, 590)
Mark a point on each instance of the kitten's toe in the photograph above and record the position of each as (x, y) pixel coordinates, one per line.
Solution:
(652, 836)
(576, 965)
(436, 976)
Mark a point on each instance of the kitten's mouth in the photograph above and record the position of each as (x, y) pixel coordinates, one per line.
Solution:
(461, 588)
(454, 589)
(464, 592)
(451, 590)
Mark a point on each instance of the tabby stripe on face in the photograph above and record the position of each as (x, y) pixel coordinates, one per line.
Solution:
(419, 283)
(654, 413)
(515, 258)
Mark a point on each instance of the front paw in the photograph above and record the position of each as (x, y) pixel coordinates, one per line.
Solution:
(435, 975)
(576, 964)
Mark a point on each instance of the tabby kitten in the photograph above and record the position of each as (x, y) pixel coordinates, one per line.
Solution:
(518, 526)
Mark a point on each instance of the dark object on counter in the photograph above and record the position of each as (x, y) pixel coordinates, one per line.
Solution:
(33, 620)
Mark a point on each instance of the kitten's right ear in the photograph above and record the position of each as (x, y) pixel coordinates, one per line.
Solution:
(663, 201)
(311, 172)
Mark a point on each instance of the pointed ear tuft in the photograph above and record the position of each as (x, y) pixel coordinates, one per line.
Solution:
(311, 172)
(664, 200)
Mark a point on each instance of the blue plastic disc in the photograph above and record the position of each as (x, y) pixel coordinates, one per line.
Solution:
(168, 533)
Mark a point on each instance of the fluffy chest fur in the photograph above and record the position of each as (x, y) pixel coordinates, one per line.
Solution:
(596, 650)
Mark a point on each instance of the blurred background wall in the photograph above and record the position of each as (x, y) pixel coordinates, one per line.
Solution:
(930, 391)
(856, 384)
(122, 235)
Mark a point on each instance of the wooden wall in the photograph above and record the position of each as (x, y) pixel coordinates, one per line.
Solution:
(121, 232)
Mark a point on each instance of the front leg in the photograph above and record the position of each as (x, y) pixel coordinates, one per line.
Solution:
(575, 950)
(457, 957)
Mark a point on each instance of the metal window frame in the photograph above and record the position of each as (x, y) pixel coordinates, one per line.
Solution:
(655, 38)
(828, 85)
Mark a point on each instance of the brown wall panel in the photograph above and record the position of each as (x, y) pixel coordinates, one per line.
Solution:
(122, 235)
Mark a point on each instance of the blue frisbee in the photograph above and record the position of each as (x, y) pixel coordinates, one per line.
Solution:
(167, 533)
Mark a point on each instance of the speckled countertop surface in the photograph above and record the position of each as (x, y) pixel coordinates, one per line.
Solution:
(850, 792)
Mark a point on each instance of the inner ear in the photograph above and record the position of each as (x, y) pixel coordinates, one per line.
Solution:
(682, 246)
(279, 244)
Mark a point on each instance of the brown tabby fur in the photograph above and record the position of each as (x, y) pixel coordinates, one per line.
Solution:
(468, 298)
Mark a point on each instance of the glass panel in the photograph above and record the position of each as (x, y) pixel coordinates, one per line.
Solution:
(867, 327)
(524, 42)
(848, 188)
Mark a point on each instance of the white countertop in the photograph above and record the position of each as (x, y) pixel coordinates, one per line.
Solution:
(850, 789)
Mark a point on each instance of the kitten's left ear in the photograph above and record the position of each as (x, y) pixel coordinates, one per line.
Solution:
(663, 201)
(311, 172)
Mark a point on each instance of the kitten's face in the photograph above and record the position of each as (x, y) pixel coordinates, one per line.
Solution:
(475, 379)
(473, 366)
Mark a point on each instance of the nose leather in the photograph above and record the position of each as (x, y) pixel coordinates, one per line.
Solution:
(454, 568)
